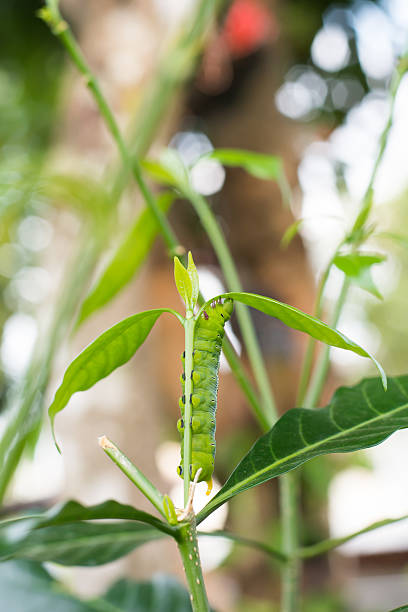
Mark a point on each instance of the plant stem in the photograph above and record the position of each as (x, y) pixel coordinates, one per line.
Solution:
(275, 554)
(175, 68)
(246, 386)
(188, 367)
(214, 232)
(308, 358)
(188, 547)
(289, 507)
(62, 30)
(323, 362)
(325, 545)
(133, 473)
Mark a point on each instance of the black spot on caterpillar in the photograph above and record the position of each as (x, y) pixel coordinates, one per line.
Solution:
(208, 336)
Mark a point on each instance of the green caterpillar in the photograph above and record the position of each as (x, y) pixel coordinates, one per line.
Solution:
(208, 336)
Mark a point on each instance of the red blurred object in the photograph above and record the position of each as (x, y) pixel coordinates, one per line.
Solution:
(248, 25)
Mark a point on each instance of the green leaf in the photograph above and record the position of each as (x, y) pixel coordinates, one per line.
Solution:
(193, 274)
(187, 281)
(357, 267)
(27, 587)
(82, 193)
(290, 233)
(127, 259)
(296, 319)
(109, 351)
(357, 417)
(161, 594)
(63, 534)
(73, 511)
(268, 167)
(79, 543)
(169, 170)
(401, 609)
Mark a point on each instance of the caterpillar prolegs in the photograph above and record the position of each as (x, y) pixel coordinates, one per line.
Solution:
(208, 336)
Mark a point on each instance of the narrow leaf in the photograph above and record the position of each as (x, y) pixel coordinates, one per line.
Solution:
(183, 283)
(62, 534)
(193, 274)
(357, 417)
(78, 543)
(261, 166)
(357, 267)
(73, 511)
(109, 351)
(126, 261)
(290, 233)
(296, 319)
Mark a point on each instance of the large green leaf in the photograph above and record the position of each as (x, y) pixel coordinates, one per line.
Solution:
(78, 543)
(109, 351)
(357, 417)
(296, 319)
(261, 166)
(27, 587)
(161, 594)
(127, 259)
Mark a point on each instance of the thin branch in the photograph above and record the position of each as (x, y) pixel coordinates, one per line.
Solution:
(326, 545)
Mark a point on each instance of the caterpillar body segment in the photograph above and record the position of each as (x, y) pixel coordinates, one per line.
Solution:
(208, 337)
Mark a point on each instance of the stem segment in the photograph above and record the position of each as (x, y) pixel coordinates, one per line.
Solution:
(188, 547)
(188, 367)
(133, 473)
(289, 505)
(269, 413)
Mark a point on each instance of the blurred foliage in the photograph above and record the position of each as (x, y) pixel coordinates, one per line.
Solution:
(30, 62)
(389, 316)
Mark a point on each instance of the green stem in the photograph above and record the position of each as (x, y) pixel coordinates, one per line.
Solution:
(188, 367)
(246, 386)
(326, 545)
(308, 358)
(275, 554)
(289, 506)
(133, 473)
(322, 366)
(188, 547)
(62, 30)
(214, 232)
(175, 68)
(367, 201)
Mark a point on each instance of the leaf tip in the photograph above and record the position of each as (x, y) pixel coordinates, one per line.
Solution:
(57, 446)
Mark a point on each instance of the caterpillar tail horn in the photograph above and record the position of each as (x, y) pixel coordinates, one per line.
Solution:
(209, 486)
